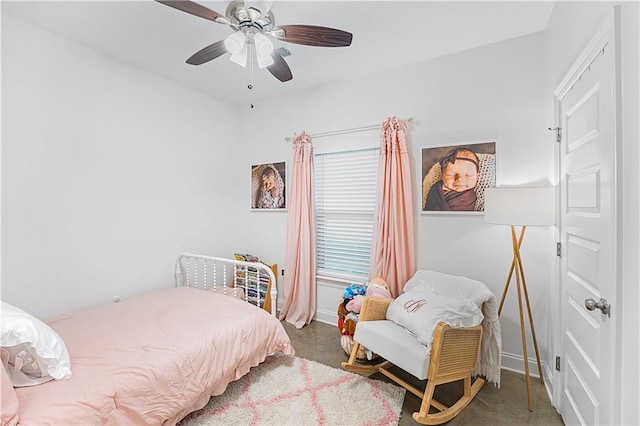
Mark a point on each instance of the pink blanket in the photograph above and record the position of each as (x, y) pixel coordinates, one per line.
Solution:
(152, 359)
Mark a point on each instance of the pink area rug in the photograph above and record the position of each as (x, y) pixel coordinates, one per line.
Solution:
(287, 390)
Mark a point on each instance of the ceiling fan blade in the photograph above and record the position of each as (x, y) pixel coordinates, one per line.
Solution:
(196, 9)
(208, 53)
(312, 35)
(279, 68)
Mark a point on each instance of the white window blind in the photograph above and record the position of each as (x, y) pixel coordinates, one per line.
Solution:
(345, 197)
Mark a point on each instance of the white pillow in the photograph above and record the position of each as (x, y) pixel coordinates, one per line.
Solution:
(419, 311)
(37, 353)
(449, 284)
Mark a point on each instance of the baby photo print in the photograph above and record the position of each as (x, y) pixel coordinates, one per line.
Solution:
(268, 186)
(455, 177)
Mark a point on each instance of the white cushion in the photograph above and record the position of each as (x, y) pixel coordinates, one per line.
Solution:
(395, 344)
(36, 352)
(420, 310)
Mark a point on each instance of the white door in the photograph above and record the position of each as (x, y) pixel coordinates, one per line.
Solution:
(587, 117)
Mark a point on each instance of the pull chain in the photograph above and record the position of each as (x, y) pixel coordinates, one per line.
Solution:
(250, 86)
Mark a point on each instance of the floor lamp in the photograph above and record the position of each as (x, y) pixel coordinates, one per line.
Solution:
(521, 206)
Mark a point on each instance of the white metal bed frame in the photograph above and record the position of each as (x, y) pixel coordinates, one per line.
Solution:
(220, 274)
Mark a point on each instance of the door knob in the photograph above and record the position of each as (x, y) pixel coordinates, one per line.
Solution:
(602, 304)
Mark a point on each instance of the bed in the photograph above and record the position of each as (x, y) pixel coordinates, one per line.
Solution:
(155, 357)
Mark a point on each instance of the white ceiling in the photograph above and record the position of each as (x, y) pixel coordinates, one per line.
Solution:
(386, 34)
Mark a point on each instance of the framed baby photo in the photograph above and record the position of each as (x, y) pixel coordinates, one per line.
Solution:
(268, 191)
(454, 177)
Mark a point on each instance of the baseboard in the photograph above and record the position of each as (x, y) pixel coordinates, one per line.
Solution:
(327, 317)
(515, 363)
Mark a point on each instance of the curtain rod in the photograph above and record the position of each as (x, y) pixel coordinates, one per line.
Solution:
(345, 131)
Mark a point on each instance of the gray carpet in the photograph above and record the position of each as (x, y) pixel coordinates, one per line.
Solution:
(320, 342)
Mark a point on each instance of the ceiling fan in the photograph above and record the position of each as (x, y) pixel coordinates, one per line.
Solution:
(253, 24)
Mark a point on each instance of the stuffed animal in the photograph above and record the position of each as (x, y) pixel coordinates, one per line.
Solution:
(347, 344)
(353, 296)
(346, 325)
(353, 290)
(378, 288)
(355, 304)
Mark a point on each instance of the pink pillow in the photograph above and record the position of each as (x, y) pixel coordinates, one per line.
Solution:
(229, 291)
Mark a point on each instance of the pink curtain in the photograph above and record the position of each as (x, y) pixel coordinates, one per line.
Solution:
(393, 248)
(300, 263)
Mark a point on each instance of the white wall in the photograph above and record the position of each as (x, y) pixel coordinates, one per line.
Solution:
(570, 28)
(108, 173)
(496, 91)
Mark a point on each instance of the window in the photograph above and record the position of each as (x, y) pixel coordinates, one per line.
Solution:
(345, 198)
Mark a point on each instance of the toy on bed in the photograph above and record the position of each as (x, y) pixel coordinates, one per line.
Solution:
(150, 359)
(349, 310)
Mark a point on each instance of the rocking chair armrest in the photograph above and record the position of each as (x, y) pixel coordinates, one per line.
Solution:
(374, 308)
(455, 351)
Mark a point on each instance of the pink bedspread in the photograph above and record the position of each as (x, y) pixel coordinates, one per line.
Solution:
(152, 359)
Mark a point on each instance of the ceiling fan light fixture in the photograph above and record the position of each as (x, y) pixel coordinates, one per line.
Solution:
(240, 58)
(236, 43)
(254, 14)
(264, 60)
(263, 6)
(264, 46)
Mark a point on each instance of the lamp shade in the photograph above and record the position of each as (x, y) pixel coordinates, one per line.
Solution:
(526, 206)
(235, 43)
(264, 46)
(264, 61)
(240, 58)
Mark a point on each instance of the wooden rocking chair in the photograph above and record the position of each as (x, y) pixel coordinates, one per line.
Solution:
(454, 355)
